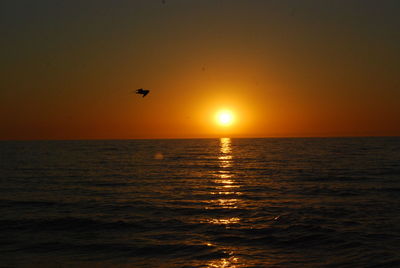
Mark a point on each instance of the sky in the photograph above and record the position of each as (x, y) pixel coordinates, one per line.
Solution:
(300, 68)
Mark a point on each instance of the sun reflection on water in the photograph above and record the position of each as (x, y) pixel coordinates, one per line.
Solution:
(224, 221)
(225, 145)
(226, 193)
(224, 263)
(226, 187)
(225, 156)
(223, 203)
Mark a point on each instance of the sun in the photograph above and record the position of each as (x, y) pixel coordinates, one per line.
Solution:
(225, 118)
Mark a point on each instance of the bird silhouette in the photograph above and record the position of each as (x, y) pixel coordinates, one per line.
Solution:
(142, 91)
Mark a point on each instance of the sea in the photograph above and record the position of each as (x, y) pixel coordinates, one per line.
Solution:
(274, 202)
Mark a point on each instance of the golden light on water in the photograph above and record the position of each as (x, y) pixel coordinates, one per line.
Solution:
(225, 185)
(226, 193)
(225, 146)
(231, 262)
(225, 221)
(225, 157)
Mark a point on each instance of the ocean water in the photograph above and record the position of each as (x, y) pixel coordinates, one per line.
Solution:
(329, 202)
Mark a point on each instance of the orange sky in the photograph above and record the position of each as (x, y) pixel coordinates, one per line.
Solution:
(285, 68)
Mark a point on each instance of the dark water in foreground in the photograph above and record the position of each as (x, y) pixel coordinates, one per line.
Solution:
(201, 203)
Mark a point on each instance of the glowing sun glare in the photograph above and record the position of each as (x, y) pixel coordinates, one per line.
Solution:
(225, 118)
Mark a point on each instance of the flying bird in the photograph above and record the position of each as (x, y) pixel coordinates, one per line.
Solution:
(142, 91)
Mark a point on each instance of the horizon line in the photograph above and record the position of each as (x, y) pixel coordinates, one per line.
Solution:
(207, 138)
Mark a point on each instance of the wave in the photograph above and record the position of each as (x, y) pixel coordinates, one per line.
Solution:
(92, 251)
(84, 224)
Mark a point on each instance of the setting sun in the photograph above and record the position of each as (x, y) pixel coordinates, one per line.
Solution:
(225, 118)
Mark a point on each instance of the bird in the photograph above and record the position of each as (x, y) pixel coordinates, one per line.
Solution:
(142, 91)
